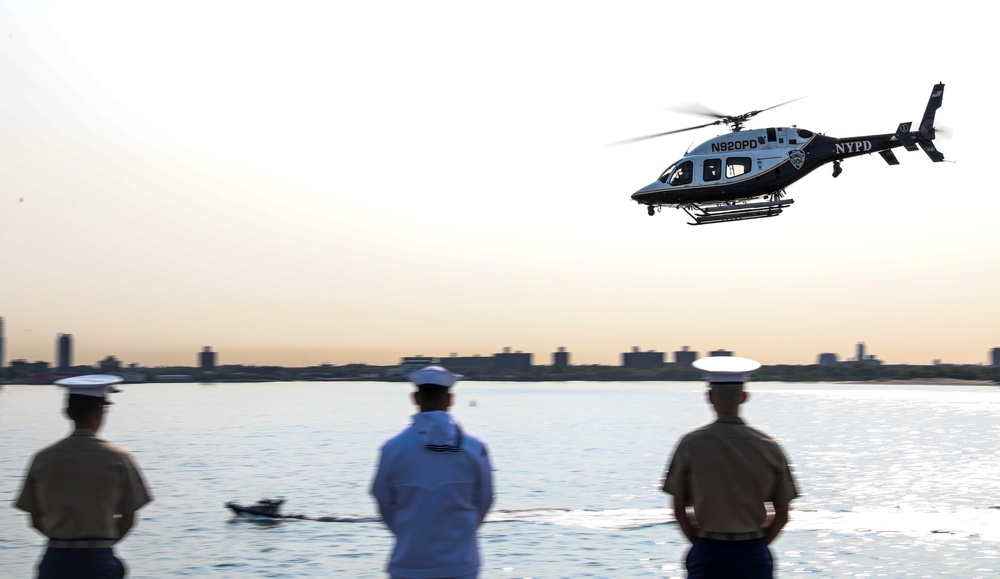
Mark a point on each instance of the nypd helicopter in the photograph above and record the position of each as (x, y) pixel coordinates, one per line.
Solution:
(743, 174)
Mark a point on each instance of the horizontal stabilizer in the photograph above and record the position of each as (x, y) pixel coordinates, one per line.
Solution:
(932, 152)
(889, 157)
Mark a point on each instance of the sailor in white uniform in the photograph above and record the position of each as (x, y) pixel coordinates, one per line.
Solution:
(434, 486)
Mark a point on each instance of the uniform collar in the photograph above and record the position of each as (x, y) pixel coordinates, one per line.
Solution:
(83, 432)
(730, 420)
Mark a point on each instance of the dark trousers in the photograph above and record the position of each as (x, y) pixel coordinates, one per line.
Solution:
(713, 559)
(80, 564)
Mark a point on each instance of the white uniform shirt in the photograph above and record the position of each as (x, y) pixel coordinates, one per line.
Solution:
(434, 485)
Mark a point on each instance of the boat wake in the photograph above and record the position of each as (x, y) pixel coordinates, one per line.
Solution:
(982, 523)
(610, 519)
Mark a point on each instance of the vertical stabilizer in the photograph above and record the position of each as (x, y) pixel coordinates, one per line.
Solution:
(933, 104)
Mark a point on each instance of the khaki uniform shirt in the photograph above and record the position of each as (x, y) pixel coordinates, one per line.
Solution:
(78, 485)
(727, 471)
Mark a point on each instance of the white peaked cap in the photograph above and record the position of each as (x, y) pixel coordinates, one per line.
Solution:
(435, 375)
(95, 385)
(726, 368)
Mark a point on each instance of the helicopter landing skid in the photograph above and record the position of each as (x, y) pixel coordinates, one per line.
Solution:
(724, 212)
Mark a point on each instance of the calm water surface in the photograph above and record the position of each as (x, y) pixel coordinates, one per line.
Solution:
(895, 481)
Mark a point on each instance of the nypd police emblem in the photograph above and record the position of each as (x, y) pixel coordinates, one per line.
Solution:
(797, 157)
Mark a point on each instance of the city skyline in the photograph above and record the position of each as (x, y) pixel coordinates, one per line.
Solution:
(65, 349)
(351, 183)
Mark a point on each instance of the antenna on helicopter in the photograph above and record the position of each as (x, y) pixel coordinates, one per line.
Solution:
(735, 122)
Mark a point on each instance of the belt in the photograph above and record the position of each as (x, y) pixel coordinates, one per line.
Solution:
(95, 543)
(730, 536)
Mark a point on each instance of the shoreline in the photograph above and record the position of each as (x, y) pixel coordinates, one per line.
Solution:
(922, 382)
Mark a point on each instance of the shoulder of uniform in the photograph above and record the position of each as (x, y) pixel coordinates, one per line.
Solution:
(402, 438)
(698, 433)
(474, 446)
(759, 434)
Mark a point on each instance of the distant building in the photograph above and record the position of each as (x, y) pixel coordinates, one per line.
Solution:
(64, 351)
(864, 358)
(995, 357)
(685, 357)
(207, 359)
(507, 360)
(409, 365)
(24, 366)
(454, 361)
(642, 360)
(2, 344)
(721, 353)
(560, 357)
(413, 363)
(110, 364)
(827, 359)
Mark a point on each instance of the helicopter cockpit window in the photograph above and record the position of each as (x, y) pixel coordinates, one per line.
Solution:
(666, 173)
(736, 166)
(684, 174)
(712, 170)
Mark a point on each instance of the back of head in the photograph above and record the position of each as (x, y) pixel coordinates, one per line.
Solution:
(727, 391)
(432, 397)
(81, 408)
(726, 376)
(433, 387)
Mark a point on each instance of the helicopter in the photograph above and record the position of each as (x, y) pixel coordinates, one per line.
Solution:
(743, 174)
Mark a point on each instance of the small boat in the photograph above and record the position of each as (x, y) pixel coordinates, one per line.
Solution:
(269, 508)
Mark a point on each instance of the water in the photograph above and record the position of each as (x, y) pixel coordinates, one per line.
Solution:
(896, 481)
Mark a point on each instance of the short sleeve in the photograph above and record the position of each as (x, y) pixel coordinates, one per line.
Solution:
(784, 490)
(135, 494)
(676, 480)
(26, 500)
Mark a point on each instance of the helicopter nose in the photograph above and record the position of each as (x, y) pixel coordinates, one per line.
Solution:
(647, 191)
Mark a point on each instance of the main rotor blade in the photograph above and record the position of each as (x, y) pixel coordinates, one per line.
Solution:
(752, 113)
(643, 138)
(701, 110)
(697, 109)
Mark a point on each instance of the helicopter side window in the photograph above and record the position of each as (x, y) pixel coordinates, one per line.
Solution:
(684, 174)
(736, 166)
(712, 170)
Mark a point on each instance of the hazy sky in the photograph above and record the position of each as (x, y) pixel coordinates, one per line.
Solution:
(305, 182)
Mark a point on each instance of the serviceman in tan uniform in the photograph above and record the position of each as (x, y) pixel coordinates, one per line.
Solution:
(83, 492)
(722, 477)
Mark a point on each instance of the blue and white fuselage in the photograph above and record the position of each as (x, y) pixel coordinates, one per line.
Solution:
(744, 166)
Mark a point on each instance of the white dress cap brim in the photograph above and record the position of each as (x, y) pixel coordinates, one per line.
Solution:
(726, 368)
(95, 385)
(435, 375)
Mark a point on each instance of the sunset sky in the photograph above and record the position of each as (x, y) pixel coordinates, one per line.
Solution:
(305, 182)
